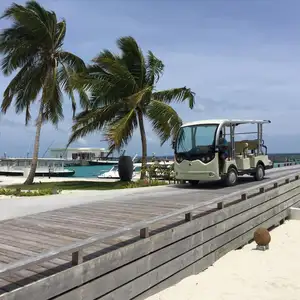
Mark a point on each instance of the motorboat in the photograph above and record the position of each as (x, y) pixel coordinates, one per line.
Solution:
(113, 173)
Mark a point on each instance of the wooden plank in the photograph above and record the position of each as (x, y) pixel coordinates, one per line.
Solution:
(85, 227)
(139, 285)
(176, 253)
(97, 267)
(17, 226)
(8, 238)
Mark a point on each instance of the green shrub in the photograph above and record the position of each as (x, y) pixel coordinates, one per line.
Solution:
(144, 183)
(23, 193)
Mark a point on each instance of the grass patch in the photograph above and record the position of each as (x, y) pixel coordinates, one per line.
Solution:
(82, 185)
(11, 191)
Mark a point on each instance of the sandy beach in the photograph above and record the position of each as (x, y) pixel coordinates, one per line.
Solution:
(247, 273)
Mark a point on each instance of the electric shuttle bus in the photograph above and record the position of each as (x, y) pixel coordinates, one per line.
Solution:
(208, 151)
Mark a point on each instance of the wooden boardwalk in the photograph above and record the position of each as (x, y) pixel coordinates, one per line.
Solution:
(31, 235)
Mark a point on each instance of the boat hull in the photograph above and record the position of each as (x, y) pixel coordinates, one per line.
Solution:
(106, 163)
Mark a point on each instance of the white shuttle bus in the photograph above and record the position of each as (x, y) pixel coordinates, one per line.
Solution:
(210, 150)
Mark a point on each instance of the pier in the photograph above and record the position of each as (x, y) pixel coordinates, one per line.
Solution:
(134, 246)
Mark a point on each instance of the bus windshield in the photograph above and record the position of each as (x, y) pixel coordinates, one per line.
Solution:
(196, 139)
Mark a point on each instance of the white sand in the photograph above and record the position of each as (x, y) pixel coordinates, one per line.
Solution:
(248, 274)
(7, 180)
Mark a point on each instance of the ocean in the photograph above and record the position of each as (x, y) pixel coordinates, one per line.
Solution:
(89, 171)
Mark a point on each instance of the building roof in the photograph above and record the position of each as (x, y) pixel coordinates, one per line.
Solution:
(226, 121)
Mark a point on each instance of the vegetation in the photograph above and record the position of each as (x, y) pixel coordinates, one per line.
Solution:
(160, 171)
(84, 185)
(123, 94)
(32, 45)
(21, 192)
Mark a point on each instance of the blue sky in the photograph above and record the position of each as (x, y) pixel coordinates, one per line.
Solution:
(242, 58)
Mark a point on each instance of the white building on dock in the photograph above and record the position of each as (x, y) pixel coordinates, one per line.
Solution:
(78, 153)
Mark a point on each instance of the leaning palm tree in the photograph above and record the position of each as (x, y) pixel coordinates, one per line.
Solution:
(123, 94)
(32, 46)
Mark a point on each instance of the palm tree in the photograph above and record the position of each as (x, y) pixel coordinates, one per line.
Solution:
(123, 93)
(32, 46)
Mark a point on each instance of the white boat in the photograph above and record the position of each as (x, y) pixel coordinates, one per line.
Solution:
(113, 173)
(50, 167)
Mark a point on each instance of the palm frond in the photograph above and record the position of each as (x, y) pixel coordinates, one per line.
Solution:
(84, 99)
(155, 69)
(29, 87)
(24, 88)
(61, 29)
(120, 131)
(52, 98)
(132, 56)
(93, 120)
(72, 61)
(115, 71)
(165, 120)
(136, 100)
(30, 17)
(13, 88)
(175, 95)
(16, 59)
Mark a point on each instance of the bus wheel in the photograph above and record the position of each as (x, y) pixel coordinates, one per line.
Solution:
(231, 177)
(259, 172)
(193, 182)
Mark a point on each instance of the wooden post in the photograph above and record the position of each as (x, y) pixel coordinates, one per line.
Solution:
(244, 197)
(220, 205)
(188, 217)
(144, 233)
(77, 258)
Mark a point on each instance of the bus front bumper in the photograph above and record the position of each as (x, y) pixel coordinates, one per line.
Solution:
(197, 175)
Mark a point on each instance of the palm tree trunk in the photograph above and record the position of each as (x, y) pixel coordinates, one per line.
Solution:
(35, 155)
(144, 144)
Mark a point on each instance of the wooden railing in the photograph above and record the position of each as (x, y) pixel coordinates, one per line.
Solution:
(75, 249)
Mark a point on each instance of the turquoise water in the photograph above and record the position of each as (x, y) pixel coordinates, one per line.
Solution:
(90, 171)
(94, 171)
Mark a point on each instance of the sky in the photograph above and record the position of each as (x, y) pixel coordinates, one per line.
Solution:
(240, 57)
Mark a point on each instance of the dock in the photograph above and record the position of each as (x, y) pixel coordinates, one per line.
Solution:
(134, 246)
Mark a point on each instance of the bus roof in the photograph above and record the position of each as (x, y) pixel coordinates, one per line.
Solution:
(225, 121)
